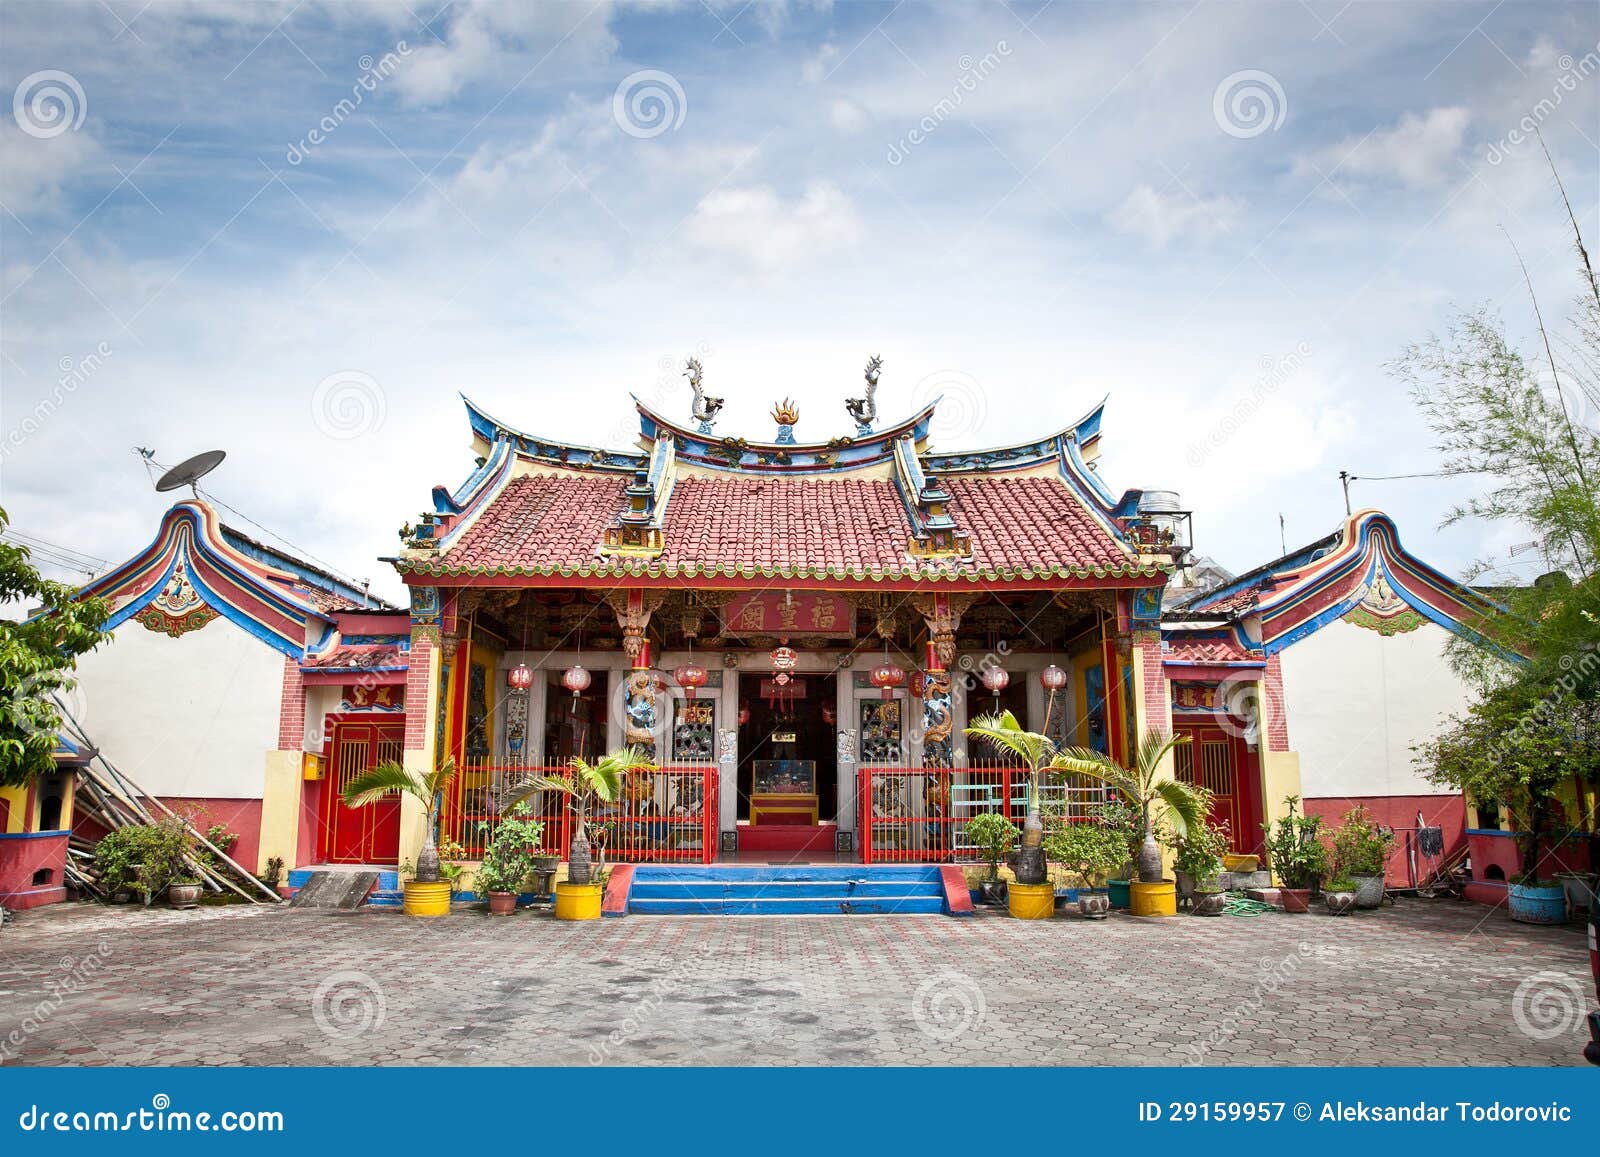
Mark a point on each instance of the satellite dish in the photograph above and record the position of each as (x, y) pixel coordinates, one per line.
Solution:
(190, 471)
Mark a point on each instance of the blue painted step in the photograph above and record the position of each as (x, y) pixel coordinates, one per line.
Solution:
(785, 890)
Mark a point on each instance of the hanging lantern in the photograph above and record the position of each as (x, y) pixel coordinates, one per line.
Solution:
(744, 716)
(886, 677)
(575, 679)
(690, 676)
(784, 659)
(1053, 678)
(995, 680)
(520, 677)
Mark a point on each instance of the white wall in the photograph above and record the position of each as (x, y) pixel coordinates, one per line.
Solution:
(1356, 701)
(191, 716)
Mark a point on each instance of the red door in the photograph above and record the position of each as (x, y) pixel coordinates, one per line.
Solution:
(364, 835)
(1223, 764)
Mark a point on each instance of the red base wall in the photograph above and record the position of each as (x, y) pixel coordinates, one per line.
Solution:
(21, 856)
(241, 816)
(1400, 813)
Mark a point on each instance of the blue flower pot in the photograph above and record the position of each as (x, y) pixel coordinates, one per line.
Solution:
(1532, 905)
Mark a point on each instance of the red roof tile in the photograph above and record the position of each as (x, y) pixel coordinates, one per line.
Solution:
(542, 522)
(1201, 649)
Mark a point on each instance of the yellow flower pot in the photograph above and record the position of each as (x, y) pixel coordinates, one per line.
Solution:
(1153, 899)
(427, 899)
(577, 901)
(1031, 901)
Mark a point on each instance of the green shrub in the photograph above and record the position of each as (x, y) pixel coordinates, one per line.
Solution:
(995, 836)
(1091, 851)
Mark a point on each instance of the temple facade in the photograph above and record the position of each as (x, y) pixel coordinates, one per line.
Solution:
(797, 631)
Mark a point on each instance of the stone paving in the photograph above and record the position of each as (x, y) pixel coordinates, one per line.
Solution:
(1421, 983)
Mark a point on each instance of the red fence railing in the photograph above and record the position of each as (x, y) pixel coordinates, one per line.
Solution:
(664, 815)
(919, 815)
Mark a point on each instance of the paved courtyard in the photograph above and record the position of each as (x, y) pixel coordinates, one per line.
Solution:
(1427, 984)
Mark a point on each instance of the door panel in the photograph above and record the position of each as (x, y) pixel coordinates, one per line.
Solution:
(371, 834)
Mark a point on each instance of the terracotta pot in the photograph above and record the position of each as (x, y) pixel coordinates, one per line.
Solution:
(183, 895)
(502, 903)
(1295, 899)
(1210, 903)
(1094, 905)
(1339, 903)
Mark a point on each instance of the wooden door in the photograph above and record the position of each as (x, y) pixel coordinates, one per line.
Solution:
(371, 834)
(1221, 762)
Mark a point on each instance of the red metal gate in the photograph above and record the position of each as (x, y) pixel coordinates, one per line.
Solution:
(365, 835)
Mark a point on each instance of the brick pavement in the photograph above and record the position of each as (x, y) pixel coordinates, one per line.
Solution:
(1423, 983)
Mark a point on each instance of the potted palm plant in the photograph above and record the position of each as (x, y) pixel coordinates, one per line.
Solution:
(994, 836)
(427, 893)
(579, 896)
(1175, 806)
(1296, 853)
(1032, 895)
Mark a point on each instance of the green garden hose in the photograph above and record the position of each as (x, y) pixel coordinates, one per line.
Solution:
(1238, 905)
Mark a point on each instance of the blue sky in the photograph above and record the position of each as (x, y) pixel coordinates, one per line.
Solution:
(1228, 217)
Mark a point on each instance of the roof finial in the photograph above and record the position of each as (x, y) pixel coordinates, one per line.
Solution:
(786, 414)
(865, 410)
(704, 409)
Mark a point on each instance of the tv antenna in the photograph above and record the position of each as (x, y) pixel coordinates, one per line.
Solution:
(190, 471)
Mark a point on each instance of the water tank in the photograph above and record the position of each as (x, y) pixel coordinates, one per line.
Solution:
(1159, 502)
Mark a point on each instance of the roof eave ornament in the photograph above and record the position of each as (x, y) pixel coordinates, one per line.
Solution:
(865, 410)
(704, 408)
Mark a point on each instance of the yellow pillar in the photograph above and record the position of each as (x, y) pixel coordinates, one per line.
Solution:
(413, 816)
(281, 796)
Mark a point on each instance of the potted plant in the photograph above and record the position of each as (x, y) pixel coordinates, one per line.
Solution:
(508, 860)
(147, 860)
(1123, 820)
(994, 836)
(1090, 850)
(428, 893)
(1360, 853)
(1031, 896)
(579, 896)
(1163, 805)
(1199, 857)
(1340, 896)
(1296, 853)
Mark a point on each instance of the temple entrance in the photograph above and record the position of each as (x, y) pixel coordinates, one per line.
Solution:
(365, 835)
(787, 753)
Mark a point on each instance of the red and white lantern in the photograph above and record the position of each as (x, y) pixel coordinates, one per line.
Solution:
(520, 677)
(691, 677)
(1053, 678)
(995, 680)
(575, 679)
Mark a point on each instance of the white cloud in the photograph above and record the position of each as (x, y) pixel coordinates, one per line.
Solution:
(757, 226)
(1418, 152)
(33, 171)
(847, 116)
(1159, 217)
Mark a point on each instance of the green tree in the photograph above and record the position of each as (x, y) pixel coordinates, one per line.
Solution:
(392, 778)
(585, 783)
(37, 658)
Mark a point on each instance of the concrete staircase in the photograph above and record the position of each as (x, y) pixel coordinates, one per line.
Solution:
(777, 890)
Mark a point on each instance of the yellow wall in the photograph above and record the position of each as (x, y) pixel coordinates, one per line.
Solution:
(280, 809)
(413, 818)
(17, 799)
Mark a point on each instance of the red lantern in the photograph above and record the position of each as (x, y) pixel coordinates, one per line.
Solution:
(575, 679)
(690, 676)
(886, 677)
(1053, 678)
(520, 677)
(995, 680)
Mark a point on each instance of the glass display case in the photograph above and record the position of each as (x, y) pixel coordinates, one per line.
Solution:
(783, 791)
